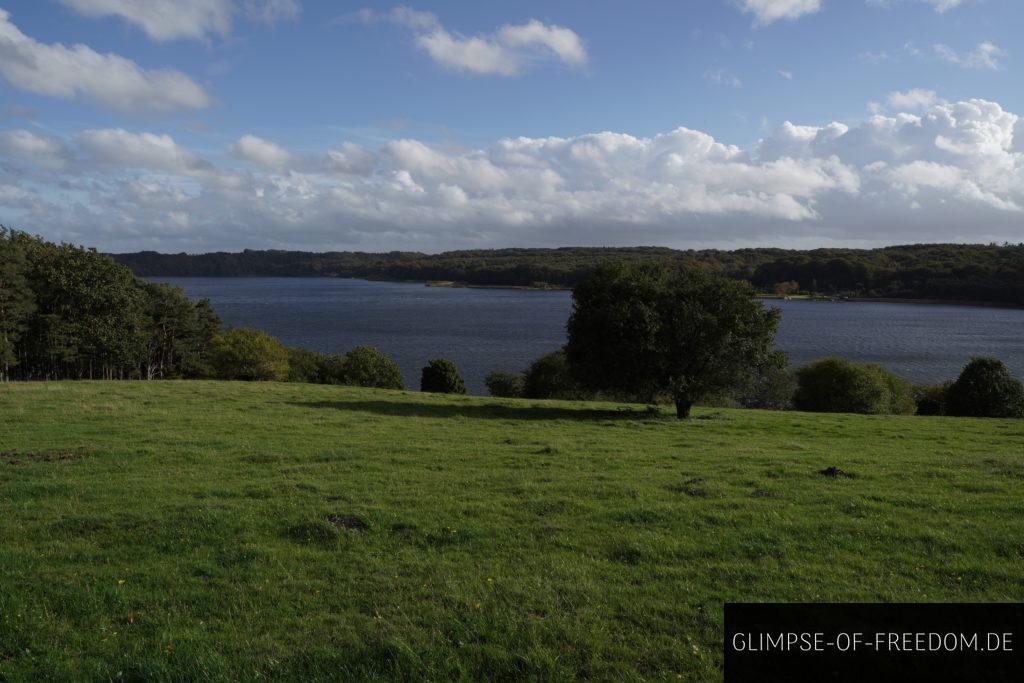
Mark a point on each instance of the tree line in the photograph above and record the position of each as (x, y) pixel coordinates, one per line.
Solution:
(655, 334)
(955, 272)
(70, 313)
(646, 331)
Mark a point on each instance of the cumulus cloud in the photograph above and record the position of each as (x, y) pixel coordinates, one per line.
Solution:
(769, 11)
(46, 152)
(261, 152)
(562, 42)
(913, 100)
(934, 171)
(172, 19)
(113, 81)
(506, 52)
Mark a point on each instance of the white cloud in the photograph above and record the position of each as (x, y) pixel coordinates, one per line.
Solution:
(723, 77)
(478, 55)
(935, 171)
(113, 81)
(506, 52)
(874, 58)
(119, 148)
(163, 19)
(769, 11)
(46, 152)
(939, 5)
(272, 11)
(913, 100)
(261, 152)
(985, 56)
(788, 75)
(561, 41)
(172, 19)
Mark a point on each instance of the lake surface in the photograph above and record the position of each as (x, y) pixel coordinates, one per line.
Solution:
(488, 329)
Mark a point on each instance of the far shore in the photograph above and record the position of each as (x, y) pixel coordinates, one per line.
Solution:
(455, 284)
(797, 297)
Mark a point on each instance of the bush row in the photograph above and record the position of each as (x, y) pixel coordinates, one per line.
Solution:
(985, 388)
(246, 354)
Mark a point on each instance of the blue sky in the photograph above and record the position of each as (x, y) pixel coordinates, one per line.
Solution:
(192, 125)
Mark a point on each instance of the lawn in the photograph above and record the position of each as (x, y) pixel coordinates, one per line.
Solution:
(184, 530)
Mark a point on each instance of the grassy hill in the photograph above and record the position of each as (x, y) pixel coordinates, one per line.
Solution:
(184, 530)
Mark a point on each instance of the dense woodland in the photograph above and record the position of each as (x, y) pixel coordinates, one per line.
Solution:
(958, 272)
(69, 312)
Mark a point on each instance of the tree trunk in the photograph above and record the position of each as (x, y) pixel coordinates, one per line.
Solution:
(683, 408)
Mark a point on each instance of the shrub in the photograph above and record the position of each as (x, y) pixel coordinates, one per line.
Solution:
(504, 384)
(549, 377)
(901, 394)
(440, 376)
(834, 385)
(770, 388)
(365, 366)
(303, 365)
(331, 369)
(985, 388)
(931, 398)
(242, 353)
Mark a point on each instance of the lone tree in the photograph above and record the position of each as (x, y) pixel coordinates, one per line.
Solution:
(440, 376)
(648, 330)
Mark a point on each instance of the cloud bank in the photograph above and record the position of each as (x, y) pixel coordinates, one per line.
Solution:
(935, 171)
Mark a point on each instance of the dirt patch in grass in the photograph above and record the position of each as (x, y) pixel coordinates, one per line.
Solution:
(349, 522)
(835, 473)
(22, 457)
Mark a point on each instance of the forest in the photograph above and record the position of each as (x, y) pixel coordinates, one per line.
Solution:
(951, 272)
(70, 313)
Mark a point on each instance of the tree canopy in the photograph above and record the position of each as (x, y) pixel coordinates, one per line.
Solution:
(985, 388)
(71, 313)
(650, 329)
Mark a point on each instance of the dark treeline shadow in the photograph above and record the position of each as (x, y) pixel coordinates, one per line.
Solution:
(492, 411)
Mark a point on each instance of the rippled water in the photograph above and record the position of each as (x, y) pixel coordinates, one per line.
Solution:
(487, 329)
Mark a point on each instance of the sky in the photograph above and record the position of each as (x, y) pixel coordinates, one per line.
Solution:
(202, 125)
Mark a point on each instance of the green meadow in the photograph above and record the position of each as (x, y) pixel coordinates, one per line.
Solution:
(222, 530)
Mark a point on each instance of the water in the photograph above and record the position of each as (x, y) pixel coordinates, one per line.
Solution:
(488, 329)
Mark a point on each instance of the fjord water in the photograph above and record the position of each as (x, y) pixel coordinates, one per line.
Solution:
(488, 329)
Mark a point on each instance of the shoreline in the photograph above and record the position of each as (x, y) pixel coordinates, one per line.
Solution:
(455, 284)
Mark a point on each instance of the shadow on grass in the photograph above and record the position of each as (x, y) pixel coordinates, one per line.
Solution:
(486, 411)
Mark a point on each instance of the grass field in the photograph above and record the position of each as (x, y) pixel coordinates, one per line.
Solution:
(184, 530)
